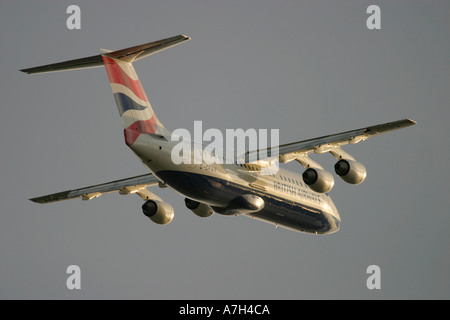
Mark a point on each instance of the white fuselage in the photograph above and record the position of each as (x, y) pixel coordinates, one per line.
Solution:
(289, 202)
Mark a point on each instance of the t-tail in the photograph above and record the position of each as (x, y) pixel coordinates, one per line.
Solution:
(134, 107)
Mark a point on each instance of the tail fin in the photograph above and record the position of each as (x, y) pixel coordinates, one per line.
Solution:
(135, 109)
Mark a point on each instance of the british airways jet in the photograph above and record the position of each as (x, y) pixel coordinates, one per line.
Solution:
(284, 198)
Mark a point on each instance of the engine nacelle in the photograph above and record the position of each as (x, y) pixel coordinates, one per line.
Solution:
(158, 211)
(318, 180)
(350, 171)
(200, 209)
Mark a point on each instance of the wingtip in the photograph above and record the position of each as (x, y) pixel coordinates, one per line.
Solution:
(36, 200)
(51, 197)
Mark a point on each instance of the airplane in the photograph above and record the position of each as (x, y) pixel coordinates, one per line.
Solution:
(287, 199)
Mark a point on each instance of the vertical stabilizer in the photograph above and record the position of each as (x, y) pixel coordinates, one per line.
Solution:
(135, 110)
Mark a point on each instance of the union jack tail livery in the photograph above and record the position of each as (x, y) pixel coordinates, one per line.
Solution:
(135, 110)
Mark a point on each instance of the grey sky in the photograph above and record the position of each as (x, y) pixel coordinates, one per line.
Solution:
(308, 68)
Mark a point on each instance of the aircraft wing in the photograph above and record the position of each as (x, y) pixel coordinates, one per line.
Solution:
(124, 186)
(330, 143)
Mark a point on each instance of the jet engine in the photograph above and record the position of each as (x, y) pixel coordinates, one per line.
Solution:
(200, 209)
(318, 180)
(158, 211)
(350, 171)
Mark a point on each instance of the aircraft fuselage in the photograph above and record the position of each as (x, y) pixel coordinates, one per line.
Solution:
(288, 201)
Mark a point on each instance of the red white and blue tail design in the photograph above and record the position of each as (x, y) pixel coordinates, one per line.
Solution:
(134, 108)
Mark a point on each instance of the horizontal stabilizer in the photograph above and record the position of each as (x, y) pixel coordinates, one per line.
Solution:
(130, 54)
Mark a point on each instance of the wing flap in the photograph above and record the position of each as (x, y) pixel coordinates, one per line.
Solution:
(123, 186)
